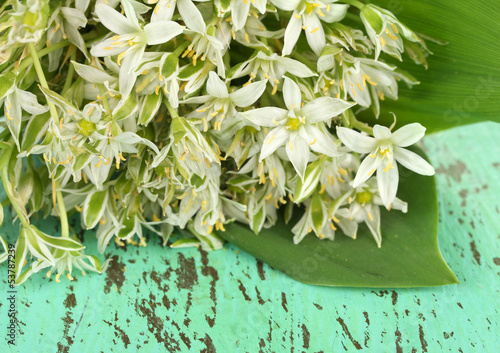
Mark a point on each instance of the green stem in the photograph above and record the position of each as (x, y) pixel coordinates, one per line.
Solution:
(355, 3)
(180, 49)
(71, 71)
(28, 61)
(105, 102)
(62, 213)
(173, 112)
(304, 60)
(4, 160)
(362, 126)
(43, 81)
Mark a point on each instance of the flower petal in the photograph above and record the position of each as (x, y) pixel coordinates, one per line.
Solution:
(366, 170)
(105, 48)
(413, 161)
(92, 74)
(215, 86)
(388, 180)
(298, 152)
(247, 95)
(265, 116)
(295, 67)
(381, 132)
(408, 135)
(113, 20)
(287, 5)
(162, 32)
(291, 93)
(292, 33)
(191, 15)
(273, 141)
(356, 141)
(372, 220)
(127, 75)
(29, 103)
(319, 141)
(314, 33)
(324, 108)
(239, 14)
(336, 13)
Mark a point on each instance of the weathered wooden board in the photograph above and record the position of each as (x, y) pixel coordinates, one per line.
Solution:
(156, 299)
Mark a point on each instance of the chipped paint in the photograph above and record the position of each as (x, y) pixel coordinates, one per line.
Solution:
(189, 300)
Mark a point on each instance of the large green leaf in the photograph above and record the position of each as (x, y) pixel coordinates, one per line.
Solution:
(409, 256)
(462, 84)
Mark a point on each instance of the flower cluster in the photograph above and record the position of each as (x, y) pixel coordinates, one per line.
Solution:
(168, 115)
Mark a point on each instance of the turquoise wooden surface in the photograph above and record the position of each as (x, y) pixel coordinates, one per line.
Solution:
(156, 299)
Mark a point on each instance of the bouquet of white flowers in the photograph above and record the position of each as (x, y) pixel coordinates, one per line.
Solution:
(182, 114)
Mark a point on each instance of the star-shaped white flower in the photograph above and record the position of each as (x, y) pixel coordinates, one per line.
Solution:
(220, 104)
(307, 16)
(131, 39)
(386, 31)
(298, 127)
(384, 149)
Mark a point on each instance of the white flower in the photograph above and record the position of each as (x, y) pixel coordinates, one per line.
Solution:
(29, 20)
(15, 101)
(272, 68)
(240, 11)
(131, 39)
(221, 104)
(367, 81)
(385, 31)
(210, 44)
(307, 15)
(152, 82)
(384, 149)
(164, 10)
(65, 22)
(363, 207)
(296, 126)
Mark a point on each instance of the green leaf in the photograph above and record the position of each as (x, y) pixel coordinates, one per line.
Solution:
(168, 65)
(58, 242)
(462, 84)
(305, 188)
(124, 108)
(128, 227)
(94, 207)
(36, 128)
(6, 82)
(373, 19)
(20, 254)
(149, 108)
(409, 256)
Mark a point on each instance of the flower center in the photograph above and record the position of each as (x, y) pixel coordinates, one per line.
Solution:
(293, 123)
(86, 127)
(309, 8)
(364, 197)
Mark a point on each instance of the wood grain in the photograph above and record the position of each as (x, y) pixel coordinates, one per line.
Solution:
(156, 299)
